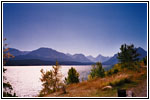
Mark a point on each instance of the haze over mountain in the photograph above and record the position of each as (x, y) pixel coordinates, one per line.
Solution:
(51, 55)
(113, 60)
(81, 58)
(17, 52)
(91, 58)
(99, 58)
(47, 54)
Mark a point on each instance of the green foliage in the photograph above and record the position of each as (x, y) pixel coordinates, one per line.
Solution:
(97, 70)
(90, 77)
(73, 76)
(120, 82)
(114, 70)
(51, 80)
(7, 85)
(128, 55)
(7, 94)
(145, 60)
(109, 73)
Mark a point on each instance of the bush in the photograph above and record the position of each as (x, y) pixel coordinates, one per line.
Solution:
(73, 76)
(97, 70)
(51, 80)
(109, 73)
(7, 94)
(145, 60)
(89, 77)
(115, 71)
(120, 82)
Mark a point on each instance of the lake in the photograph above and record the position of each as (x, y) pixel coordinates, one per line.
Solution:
(25, 80)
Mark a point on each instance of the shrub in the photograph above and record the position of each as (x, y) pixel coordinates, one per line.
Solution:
(73, 76)
(115, 71)
(97, 70)
(112, 71)
(51, 80)
(89, 77)
(145, 60)
(119, 82)
(7, 94)
(109, 73)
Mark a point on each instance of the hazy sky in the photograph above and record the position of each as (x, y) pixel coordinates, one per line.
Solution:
(91, 29)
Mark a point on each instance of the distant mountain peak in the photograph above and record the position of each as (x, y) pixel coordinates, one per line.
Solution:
(139, 48)
(99, 55)
(16, 52)
(78, 54)
(91, 58)
(81, 58)
(68, 54)
(99, 58)
(44, 48)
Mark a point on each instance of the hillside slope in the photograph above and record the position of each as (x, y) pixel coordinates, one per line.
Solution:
(94, 87)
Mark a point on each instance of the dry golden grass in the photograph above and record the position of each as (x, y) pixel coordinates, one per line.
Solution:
(93, 88)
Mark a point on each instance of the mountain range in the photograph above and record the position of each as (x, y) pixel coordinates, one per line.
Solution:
(99, 58)
(44, 55)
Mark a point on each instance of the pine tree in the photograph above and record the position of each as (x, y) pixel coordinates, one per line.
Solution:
(128, 55)
(73, 76)
(97, 70)
(51, 80)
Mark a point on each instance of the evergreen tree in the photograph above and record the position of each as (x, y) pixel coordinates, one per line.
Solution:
(128, 55)
(97, 70)
(51, 80)
(73, 76)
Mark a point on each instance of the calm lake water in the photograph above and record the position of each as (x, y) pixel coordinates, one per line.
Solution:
(25, 80)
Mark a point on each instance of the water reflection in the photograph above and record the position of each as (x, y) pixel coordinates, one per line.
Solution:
(26, 79)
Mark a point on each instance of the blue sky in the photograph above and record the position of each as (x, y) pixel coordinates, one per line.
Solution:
(88, 28)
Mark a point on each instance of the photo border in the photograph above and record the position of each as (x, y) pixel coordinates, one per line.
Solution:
(75, 97)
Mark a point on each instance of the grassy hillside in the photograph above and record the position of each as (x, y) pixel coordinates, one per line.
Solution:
(133, 80)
